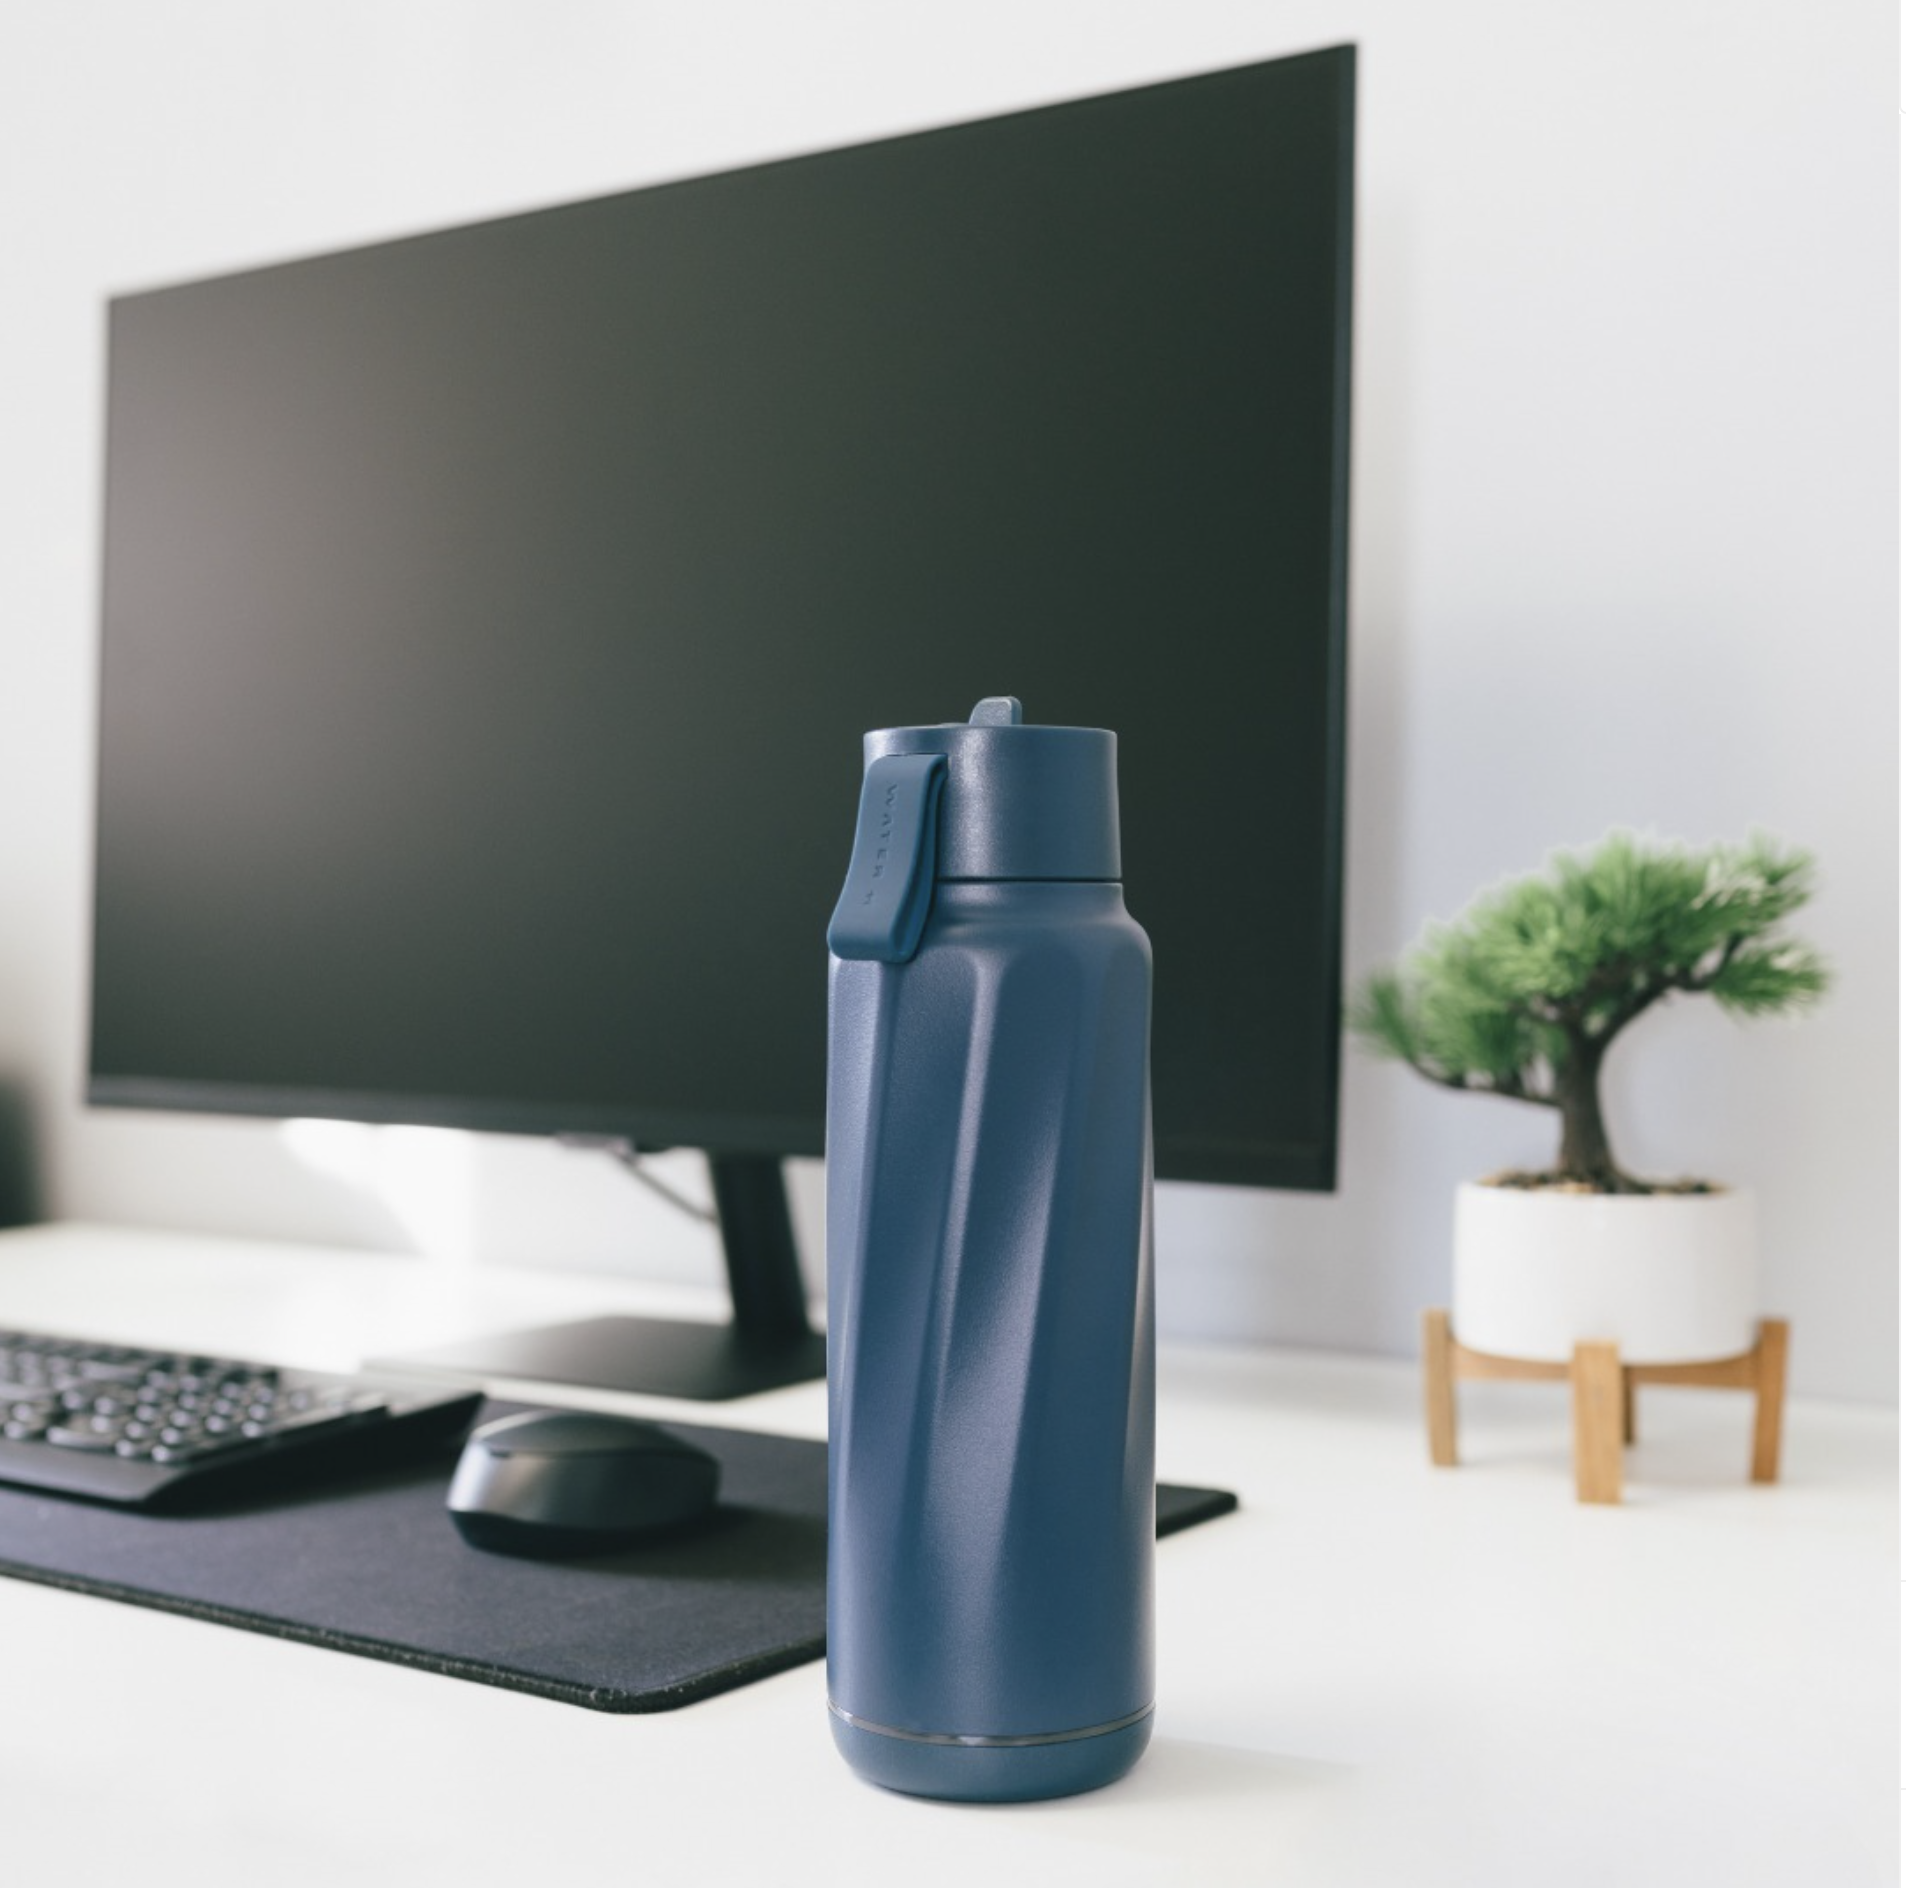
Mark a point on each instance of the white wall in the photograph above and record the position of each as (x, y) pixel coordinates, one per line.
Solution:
(1624, 531)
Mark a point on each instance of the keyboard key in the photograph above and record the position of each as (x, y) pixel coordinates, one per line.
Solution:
(85, 1438)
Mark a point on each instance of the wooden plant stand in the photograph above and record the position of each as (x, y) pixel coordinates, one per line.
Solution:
(1604, 1397)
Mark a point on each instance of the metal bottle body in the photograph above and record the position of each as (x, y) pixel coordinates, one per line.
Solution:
(990, 1347)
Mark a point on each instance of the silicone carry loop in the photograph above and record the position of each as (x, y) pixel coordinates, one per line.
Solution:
(889, 891)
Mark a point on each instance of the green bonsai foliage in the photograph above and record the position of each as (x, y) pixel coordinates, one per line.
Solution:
(1523, 994)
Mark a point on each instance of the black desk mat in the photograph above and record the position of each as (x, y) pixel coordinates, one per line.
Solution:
(373, 1566)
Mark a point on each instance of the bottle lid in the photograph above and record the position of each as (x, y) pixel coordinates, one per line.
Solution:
(987, 799)
(1020, 801)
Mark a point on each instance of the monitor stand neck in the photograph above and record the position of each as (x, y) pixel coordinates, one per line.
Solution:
(768, 1344)
(757, 1241)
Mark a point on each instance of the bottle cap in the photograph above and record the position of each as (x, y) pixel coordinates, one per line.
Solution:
(1019, 801)
(985, 799)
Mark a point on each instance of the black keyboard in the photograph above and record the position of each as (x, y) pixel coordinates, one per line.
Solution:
(164, 1429)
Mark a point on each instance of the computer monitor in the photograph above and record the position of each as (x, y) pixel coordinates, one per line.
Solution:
(491, 618)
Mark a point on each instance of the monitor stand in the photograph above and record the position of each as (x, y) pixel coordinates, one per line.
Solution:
(768, 1344)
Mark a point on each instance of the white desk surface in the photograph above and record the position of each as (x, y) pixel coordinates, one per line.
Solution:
(1375, 1673)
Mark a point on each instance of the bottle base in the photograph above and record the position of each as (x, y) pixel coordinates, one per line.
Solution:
(1005, 1770)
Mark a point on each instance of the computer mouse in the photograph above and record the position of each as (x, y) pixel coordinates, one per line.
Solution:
(550, 1483)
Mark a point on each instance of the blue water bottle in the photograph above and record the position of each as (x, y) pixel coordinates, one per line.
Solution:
(989, 1332)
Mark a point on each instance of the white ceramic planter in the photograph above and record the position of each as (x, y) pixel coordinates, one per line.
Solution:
(1667, 1278)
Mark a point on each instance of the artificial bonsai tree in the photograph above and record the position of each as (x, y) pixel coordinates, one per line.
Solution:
(1523, 994)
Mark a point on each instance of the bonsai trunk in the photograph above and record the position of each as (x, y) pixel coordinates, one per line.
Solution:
(1586, 1156)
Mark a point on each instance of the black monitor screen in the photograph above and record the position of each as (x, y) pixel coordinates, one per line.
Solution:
(491, 619)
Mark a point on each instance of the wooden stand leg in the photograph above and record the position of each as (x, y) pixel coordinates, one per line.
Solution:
(1439, 1387)
(1770, 1394)
(1603, 1392)
(1596, 1377)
